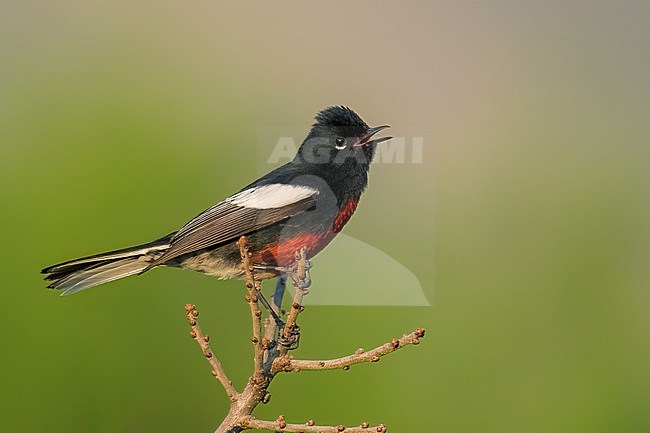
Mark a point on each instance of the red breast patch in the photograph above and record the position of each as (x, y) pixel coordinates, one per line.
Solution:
(283, 253)
(344, 215)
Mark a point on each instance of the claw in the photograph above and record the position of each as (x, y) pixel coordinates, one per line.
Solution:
(293, 341)
(302, 284)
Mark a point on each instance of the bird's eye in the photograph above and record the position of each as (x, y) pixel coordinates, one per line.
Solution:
(340, 143)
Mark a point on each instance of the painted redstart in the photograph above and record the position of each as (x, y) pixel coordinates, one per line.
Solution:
(304, 203)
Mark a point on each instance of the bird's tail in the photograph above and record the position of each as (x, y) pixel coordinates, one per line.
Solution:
(87, 272)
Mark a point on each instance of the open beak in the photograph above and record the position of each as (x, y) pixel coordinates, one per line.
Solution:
(366, 139)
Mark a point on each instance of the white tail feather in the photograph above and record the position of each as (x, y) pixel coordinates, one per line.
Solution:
(110, 256)
(103, 274)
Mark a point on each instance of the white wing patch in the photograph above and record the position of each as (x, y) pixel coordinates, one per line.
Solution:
(271, 196)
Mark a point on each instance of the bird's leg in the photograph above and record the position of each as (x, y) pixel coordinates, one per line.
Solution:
(280, 288)
(302, 283)
(270, 309)
(292, 342)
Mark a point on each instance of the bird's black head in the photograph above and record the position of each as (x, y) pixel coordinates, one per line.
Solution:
(340, 137)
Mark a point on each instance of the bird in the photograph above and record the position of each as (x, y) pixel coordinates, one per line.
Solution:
(304, 203)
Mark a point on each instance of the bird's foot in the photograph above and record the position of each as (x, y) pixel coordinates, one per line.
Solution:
(301, 283)
(292, 341)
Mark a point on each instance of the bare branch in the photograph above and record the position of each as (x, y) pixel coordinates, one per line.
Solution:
(271, 356)
(309, 427)
(374, 355)
(256, 313)
(217, 369)
(290, 332)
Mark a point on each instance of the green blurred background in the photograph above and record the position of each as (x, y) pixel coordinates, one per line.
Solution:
(529, 217)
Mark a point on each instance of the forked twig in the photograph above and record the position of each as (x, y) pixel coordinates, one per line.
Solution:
(271, 345)
(360, 356)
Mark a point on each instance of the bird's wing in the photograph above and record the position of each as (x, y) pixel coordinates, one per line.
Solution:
(239, 215)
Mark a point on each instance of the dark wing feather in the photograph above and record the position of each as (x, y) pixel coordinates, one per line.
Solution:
(227, 222)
